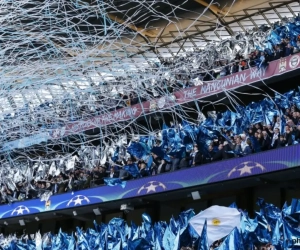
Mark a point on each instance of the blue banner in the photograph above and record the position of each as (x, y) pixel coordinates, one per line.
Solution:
(26, 141)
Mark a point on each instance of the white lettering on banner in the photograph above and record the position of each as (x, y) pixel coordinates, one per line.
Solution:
(190, 93)
(118, 115)
(218, 85)
(80, 126)
(257, 73)
(105, 119)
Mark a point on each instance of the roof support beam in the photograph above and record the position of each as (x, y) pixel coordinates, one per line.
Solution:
(144, 32)
(217, 12)
(213, 28)
(212, 7)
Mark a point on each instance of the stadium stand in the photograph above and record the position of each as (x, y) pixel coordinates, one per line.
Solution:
(103, 125)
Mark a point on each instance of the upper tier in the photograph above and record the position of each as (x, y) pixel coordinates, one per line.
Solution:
(240, 79)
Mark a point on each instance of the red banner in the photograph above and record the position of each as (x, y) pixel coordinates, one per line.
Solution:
(230, 82)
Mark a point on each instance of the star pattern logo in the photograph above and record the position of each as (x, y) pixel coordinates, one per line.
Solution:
(152, 187)
(20, 210)
(78, 200)
(246, 168)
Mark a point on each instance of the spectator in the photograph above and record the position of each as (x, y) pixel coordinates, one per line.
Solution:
(209, 155)
(175, 160)
(295, 118)
(161, 168)
(277, 124)
(248, 149)
(243, 142)
(143, 171)
(185, 161)
(277, 52)
(288, 136)
(236, 147)
(262, 62)
(288, 50)
(113, 173)
(281, 142)
(196, 157)
(275, 138)
(297, 134)
(220, 154)
(266, 142)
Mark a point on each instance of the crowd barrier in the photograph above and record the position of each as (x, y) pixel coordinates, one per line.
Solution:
(256, 164)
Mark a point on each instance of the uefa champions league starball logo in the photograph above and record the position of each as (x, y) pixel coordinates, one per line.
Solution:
(246, 168)
(20, 210)
(152, 187)
(78, 200)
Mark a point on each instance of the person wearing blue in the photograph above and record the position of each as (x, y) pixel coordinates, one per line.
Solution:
(275, 138)
(288, 50)
(277, 52)
(175, 160)
(132, 168)
(196, 157)
(113, 173)
(262, 63)
(248, 149)
(297, 134)
(143, 171)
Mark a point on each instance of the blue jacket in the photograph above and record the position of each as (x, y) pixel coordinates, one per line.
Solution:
(247, 150)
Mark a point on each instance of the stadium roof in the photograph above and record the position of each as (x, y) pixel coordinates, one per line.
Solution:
(59, 49)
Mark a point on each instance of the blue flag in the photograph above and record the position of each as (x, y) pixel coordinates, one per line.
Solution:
(295, 206)
(270, 212)
(31, 245)
(232, 241)
(114, 182)
(184, 217)
(168, 239)
(82, 242)
(276, 237)
(21, 246)
(139, 244)
(132, 169)
(203, 243)
(248, 228)
(149, 162)
(71, 242)
(291, 235)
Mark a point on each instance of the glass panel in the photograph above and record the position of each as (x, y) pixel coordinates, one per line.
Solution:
(31, 98)
(295, 7)
(69, 85)
(44, 95)
(96, 78)
(108, 76)
(5, 105)
(57, 91)
(19, 100)
(82, 84)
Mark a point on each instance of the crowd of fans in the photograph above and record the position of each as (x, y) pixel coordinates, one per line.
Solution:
(179, 77)
(258, 138)
(256, 58)
(221, 68)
